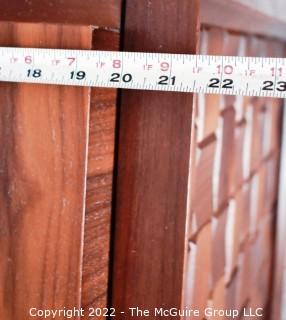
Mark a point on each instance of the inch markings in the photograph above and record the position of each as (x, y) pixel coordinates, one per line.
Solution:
(146, 71)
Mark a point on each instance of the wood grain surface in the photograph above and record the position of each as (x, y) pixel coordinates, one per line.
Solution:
(43, 160)
(97, 13)
(96, 253)
(153, 166)
(193, 214)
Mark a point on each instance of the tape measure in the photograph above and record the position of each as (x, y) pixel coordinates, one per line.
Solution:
(248, 76)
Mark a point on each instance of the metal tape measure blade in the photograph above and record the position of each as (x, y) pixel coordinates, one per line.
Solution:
(247, 76)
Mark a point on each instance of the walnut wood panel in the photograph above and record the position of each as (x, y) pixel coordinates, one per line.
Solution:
(42, 182)
(153, 165)
(96, 254)
(105, 14)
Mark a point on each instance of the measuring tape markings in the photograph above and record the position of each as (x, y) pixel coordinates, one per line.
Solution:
(248, 76)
